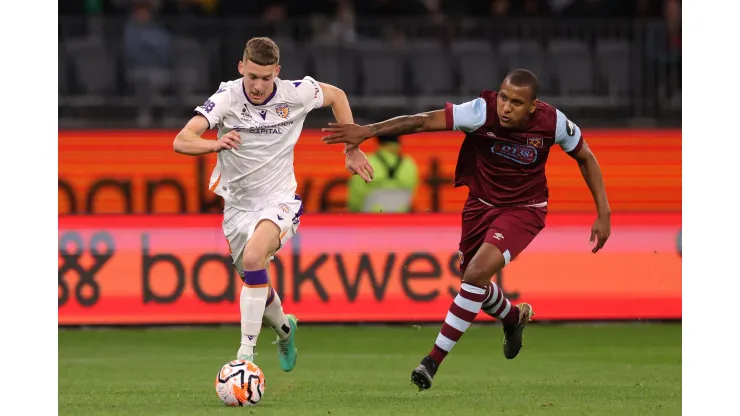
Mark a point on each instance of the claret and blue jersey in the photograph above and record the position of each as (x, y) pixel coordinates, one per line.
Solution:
(506, 167)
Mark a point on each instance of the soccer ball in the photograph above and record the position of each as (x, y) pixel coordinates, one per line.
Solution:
(240, 383)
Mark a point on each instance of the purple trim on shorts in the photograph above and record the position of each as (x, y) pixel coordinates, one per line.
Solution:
(255, 277)
(300, 210)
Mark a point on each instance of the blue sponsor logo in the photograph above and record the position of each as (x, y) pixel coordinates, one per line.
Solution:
(526, 155)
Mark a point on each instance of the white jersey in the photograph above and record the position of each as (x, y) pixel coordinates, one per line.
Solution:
(260, 171)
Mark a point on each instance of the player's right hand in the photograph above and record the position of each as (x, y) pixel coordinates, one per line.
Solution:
(228, 141)
(351, 134)
(357, 163)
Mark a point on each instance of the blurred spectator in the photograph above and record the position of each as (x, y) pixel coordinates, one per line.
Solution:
(663, 50)
(275, 11)
(341, 29)
(433, 9)
(500, 8)
(146, 48)
(439, 25)
(394, 36)
(392, 189)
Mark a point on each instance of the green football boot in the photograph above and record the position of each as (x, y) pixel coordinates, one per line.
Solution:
(287, 352)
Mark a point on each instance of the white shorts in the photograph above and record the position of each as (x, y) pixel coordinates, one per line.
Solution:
(239, 225)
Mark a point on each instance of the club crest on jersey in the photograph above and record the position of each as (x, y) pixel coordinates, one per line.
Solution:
(536, 142)
(284, 208)
(282, 110)
(460, 256)
(570, 128)
(525, 155)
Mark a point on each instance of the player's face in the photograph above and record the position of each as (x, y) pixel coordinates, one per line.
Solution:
(514, 105)
(258, 79)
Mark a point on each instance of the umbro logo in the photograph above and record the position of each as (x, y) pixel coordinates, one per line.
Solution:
(498, 236)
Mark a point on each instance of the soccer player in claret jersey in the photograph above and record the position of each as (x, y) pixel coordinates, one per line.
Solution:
(259, 119)
(508, 137)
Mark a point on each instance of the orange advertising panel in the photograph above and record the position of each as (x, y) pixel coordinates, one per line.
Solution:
(357, 268)
(137, 172)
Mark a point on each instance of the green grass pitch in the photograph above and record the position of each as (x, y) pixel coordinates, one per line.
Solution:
(612, 369)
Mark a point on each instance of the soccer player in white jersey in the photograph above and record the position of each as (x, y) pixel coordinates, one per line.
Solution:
(259, 119)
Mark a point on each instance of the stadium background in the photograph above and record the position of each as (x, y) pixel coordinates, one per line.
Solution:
(140, 236)
(612, 66)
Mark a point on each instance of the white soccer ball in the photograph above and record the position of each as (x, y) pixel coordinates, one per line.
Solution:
(240, 383)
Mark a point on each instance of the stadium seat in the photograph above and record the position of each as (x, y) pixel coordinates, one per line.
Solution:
(614, 58)
(333, 65)
(573, 66)
(383, 68)
(287, 45)
(431, 68)
(93, 66)
(192, 75)
(63, 70)
(529, 55)
(292, 64)
(476, 65)
(292, 58)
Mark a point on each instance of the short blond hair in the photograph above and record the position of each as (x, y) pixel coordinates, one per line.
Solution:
(262, 51)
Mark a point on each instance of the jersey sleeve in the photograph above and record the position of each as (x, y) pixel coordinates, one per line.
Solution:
(567, 134)
(310, 93)
(216, 107)
(467, 117)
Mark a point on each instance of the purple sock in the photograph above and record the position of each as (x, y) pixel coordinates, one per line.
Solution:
(255, 278)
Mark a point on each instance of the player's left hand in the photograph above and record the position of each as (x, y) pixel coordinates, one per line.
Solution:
(357, 163)
(600, 232)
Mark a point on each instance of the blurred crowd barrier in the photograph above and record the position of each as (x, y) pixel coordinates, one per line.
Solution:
(140, 238)
(359, 268)
(136, 172)
(139, 72)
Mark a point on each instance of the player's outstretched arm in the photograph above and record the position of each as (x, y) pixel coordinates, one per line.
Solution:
(591, 172)
(189, 141)
(353, 135)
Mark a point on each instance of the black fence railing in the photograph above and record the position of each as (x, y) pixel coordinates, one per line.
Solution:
(598, 71)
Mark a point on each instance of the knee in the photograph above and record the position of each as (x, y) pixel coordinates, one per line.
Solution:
(477, 276)
(254, 259)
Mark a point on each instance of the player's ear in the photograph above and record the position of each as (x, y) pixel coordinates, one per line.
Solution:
(534, 106)
(277, 70)
(241, 68)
